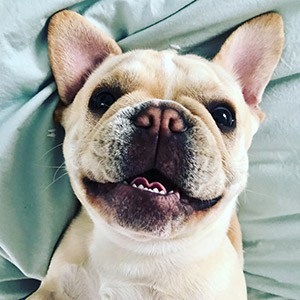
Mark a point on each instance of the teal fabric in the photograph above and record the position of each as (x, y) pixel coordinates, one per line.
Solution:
(36, 201)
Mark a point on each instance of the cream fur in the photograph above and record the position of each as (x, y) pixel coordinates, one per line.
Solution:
(197, 258)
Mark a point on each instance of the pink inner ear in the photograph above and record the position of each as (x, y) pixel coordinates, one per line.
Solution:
(251, 54)
(76, 48)
(247, 63)
(83, 59)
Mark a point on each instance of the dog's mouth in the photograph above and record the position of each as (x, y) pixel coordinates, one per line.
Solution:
(152, 181)
(149, 187)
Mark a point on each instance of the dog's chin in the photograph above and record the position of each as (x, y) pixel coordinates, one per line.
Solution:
(144, 205)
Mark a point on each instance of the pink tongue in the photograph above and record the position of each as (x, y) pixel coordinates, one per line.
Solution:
(142, 180)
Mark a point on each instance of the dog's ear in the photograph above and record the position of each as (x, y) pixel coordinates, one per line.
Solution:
(76, 47)
(251, 54)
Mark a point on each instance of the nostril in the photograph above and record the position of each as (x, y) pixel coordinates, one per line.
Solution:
(149, 118)
(173, 121)
(150, 121)
(177, 125)
(144, 121)
(167, 120)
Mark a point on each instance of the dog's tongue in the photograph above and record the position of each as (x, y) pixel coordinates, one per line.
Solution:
(142, 180)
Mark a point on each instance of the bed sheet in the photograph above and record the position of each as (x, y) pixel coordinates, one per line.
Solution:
(36, 201)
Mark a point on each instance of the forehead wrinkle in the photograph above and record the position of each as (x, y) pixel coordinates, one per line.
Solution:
(132, 67)
(124, 80)
(202, 80)
(154, 70)
(196, 69)
(170, 72)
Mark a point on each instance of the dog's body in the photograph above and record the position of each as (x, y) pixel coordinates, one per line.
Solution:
(156, 150)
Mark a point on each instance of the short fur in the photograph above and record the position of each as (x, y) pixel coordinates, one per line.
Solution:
(130, 244)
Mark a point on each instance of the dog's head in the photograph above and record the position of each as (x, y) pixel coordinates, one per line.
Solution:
(156, 143)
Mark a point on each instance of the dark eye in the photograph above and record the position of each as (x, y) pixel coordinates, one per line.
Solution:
(101, 100)
(224, 117)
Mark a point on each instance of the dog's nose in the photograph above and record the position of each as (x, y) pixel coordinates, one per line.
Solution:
(164, 120)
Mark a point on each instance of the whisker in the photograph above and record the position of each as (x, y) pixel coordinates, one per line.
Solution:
(60, 144)
(49, 167)
(256, 193)
(54, 181)
(56, 172)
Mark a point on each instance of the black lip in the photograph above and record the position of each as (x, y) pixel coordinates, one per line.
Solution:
(95, 189)
(199, 204)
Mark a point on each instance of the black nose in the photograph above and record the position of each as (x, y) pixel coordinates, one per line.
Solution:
(162, 120)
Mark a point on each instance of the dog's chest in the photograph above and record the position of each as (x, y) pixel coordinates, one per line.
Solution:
(139, 291)
(111, 272)
(168, 286)
(137, 278)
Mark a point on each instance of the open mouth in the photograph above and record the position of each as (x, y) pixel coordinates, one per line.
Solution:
(152, 181)
(152, 186)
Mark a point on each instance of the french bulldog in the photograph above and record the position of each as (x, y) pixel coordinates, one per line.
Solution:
(156, 150)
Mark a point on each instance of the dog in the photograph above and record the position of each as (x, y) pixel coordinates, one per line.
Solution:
(156, 150)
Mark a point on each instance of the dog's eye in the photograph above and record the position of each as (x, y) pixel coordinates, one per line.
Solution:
(224, 117)
(101, 100)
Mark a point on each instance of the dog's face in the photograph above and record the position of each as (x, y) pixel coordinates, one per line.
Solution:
(176, 125)
(156, 143)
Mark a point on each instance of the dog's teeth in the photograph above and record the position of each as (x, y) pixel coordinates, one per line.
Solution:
(155, 190)
(171, 192)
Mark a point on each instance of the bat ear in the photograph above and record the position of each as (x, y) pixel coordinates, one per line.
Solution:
(251, 54)
(76, 48)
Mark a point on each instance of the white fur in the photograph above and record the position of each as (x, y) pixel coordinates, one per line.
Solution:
(105, 263)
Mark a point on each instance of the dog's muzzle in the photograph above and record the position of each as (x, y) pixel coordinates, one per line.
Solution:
(158, 157)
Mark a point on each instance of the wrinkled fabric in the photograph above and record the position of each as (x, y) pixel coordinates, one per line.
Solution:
(36, 200)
